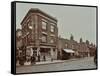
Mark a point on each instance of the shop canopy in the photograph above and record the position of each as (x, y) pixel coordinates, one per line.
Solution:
(69, 50)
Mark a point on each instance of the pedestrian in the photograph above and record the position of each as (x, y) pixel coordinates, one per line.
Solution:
(33, 59)
(39, 58)
(44, 58)
(51, 59)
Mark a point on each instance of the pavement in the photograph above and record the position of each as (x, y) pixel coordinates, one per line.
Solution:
(48, 62)
(54, 61)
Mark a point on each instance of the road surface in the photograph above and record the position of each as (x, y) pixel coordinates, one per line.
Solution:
(82, 63)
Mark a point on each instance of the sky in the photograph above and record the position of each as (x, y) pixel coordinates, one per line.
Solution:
(75, 20)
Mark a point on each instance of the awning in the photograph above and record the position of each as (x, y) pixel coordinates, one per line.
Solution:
(69, 51)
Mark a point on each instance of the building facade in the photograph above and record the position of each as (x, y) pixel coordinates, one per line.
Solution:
(67, 44)
(40, 35)
(19, 45)
(81, 49)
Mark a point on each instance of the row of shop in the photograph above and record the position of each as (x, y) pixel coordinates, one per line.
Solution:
(37, 54)
(33, 55)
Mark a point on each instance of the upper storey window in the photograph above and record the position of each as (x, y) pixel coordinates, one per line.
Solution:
(52, 28)
(44, 38)
(44, 25)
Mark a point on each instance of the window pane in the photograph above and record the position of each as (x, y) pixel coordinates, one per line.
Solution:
(44, 38)
(44, 25)
(52, 28)
(52, 41)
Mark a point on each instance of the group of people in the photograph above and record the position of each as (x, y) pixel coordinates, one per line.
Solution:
(30, 60)
(33, 59)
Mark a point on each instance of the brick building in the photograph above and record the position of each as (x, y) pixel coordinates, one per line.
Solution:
(81, 49)
(67, 47)
(19, 45)
(18, 38)
(93, 49)
(40, 34)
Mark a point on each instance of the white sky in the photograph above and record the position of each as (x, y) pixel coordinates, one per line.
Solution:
(78, 21)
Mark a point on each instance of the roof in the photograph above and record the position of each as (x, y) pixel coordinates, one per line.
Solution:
(36, 10)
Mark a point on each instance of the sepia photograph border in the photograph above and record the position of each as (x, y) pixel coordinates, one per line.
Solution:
(13, 35)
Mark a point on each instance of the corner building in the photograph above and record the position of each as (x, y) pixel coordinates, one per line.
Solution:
(40, 34)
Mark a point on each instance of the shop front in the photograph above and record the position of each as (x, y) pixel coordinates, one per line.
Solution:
(67, 54)
(41, 53)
